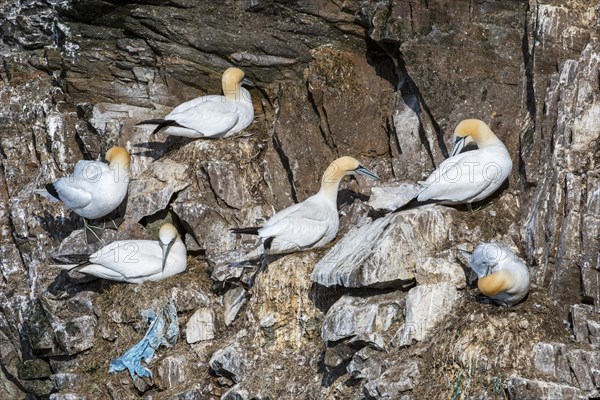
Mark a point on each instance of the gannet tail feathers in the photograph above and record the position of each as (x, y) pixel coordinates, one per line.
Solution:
(249, 231)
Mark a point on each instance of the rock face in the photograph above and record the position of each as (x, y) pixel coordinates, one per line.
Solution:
(383, 81)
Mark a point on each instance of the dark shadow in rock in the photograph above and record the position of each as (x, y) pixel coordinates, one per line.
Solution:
(59, 228)
(65, 286)
(349, 196)
(381, 57)
(332, 375)
(159, 149)
(324, 297)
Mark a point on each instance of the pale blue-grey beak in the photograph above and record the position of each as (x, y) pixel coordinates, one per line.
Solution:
(248, 82)
(363, 171)
(459, 143)
(165, 252)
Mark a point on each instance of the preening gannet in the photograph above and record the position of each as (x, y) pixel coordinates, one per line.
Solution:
(214, 115)
(311, 223)
(136, 261)
(503, 276)
(466, 178)
(95, 188)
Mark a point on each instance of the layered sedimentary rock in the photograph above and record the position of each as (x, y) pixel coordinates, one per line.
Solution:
(383, 81)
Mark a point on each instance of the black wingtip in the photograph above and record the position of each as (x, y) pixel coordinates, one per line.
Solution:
(248, 231)
(151, 122)
(52, 190)
(164, 124)
(411, 204)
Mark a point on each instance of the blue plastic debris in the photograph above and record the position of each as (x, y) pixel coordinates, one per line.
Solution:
(145, 348)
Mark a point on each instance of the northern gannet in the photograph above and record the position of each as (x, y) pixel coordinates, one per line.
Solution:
(95, 188)
(469, 177)
(311, 223)
(136, 261)
(503, 276)
(214, 115)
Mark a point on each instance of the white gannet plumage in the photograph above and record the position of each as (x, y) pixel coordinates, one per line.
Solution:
(95, 188)
(469, 177)
(213, 115)
(503, 276)
(136, 261)
(311, 223)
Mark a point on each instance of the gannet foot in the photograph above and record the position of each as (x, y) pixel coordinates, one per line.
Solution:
(92, 233)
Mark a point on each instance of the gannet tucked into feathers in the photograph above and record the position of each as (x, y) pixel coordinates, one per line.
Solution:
(503, 276)
(95, 188)
(466, 178)
(214, 115)
(311, 223)
(136, 261)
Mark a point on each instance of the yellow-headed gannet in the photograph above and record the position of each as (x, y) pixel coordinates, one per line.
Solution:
(214, 115)
(311, 223)
(95, 188)
(503, 276)
(136, 261)
(469, 177)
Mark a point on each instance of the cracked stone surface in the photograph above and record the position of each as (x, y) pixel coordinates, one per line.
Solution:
(384, 81)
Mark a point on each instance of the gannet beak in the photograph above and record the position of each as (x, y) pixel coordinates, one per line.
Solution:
(165, 252)
(363, 171)
(248, 82)
(466, 254)
(459, 143)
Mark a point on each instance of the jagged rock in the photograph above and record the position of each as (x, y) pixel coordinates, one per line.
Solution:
(551, 360)
(384, 253)
(395, 382)
(171, 371)
(385, 81)
(352, 317)
(229, 362)
(152, 190)
(389, 198)
(233, 300)
(34, 369)
(522, 388)
(67, 396)
(236, 393)
(426, 305)
(365, 365)
(192, 394)
(438, 270)
(52, 335)
(77, 334)
(586, 324)
(66, 380)
(337, 354)
(200, 326)
(39, 387)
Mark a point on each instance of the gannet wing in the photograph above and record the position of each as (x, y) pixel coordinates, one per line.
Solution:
(89, 171)
(209, 115)
(304, 226)
(71, 194)
(126, 258)
(460, 177)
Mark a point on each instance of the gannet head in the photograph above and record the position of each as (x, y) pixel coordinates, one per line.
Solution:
(167, 236)
(495, 283)
(345, 166)
(471, 130)
(231, 81)
(118, 156)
